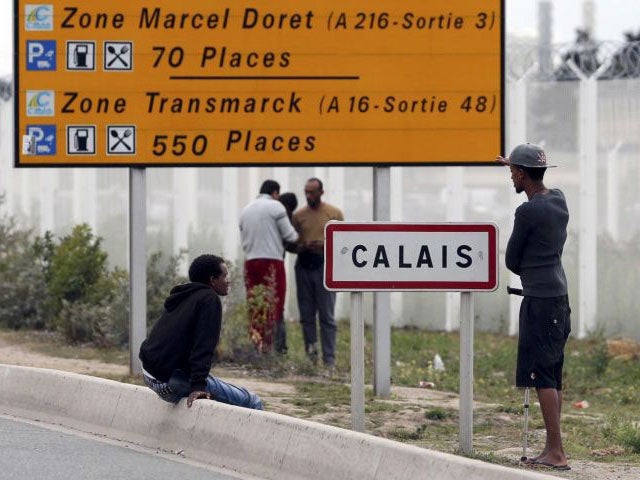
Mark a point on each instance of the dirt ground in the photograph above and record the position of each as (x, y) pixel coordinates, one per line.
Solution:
(406, 410)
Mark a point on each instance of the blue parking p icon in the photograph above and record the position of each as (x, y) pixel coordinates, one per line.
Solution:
(41, 55)
(45, 138)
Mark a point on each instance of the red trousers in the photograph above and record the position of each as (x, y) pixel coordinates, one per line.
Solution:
(266, 303)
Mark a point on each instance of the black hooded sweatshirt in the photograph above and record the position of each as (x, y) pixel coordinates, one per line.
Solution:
(185, 336)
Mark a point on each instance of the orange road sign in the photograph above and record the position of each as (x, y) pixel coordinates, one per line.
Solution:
(258, 83)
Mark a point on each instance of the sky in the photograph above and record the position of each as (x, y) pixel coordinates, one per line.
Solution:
(613, 17)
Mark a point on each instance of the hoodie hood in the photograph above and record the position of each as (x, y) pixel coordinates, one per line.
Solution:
(180, 293)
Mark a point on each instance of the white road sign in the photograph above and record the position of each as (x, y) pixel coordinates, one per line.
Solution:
(408, 256)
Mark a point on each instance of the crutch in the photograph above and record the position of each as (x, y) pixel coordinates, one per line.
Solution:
(523, 458)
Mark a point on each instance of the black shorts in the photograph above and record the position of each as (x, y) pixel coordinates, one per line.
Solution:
(545, 324)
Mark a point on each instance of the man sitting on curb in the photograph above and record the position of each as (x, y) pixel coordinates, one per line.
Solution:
(178, 353)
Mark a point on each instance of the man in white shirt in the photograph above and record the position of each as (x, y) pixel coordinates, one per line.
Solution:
(264, 230)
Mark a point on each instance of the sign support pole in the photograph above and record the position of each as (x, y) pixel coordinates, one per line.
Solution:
(466, 372)
(357, 362)
(381, 300)
(137, 266)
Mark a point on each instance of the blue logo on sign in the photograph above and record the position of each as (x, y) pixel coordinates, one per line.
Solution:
(41, 55)
(38, 17)
(45, 136)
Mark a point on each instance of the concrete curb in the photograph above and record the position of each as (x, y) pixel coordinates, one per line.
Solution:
(263, 444)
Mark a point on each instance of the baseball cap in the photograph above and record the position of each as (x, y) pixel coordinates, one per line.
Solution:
(528, 155)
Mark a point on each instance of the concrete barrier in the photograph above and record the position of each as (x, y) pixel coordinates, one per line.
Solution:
(262, 444)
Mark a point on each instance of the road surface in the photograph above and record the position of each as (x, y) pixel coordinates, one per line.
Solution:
(29, 450)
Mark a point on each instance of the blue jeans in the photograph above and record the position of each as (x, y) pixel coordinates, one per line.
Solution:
(179, 386)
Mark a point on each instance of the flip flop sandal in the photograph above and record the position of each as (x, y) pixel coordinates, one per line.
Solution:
(547, 465)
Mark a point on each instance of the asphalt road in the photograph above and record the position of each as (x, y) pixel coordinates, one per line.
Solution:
(30, 451)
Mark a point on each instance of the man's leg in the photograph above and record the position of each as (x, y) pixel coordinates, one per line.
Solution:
(281, 336)
(180, 386)
(261, 276)
(252, 276)
(553, 452)
(307, 307)
(224, 392)
(554, 325)
(545, 450)
(280, 332)
(326, 301)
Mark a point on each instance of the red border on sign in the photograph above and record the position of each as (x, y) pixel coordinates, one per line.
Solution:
(489, 228)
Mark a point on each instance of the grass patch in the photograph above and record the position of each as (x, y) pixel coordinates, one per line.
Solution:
(438, 414)
(373, 405)
(624, 432)
(319, 398)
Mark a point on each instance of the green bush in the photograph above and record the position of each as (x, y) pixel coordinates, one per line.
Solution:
(74, 268)
(23, 288)
(64, 284)
(103, 318)
(104, 323)
(86, 302)
(162, 276)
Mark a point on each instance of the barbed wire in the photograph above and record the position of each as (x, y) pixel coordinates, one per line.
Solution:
(619, 60)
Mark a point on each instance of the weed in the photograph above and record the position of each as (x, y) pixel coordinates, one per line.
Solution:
(377, 406)
(438, 414)
(403, 435)
(512, 409)
(622, 431)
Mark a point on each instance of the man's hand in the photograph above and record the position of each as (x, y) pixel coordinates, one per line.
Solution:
(195, 396)
(502, 160)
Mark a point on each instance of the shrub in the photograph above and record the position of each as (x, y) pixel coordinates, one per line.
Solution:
(23, 287)
(103, 317)
(89, 323)
(103, 323)
(162, 276)
(73, 268)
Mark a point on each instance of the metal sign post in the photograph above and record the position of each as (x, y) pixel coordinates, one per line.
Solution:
(466, 372)
(382, 300)
(137, 265)
(357, 362)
